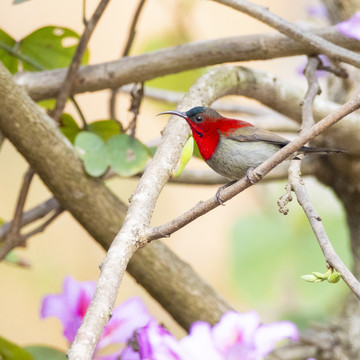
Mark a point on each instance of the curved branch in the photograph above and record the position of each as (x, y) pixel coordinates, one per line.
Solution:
(46, 84)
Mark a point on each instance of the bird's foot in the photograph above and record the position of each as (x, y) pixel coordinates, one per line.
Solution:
(252, 176)
(220, 189)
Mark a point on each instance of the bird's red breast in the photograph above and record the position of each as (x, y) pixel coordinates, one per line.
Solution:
(207, 133)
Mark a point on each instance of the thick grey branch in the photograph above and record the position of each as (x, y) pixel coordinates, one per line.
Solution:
(46, 84)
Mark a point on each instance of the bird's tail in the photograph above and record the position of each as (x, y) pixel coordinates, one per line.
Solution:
(320, 151)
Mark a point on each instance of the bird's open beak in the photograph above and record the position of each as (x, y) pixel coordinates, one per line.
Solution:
(175, 112)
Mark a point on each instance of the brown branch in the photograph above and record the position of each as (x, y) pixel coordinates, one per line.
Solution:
(315, 43)
(126, 51)
(65, 89)
(20, 240)
(298, 186)
(32, 215)
(132, 69)
(330, 255)
(311, 93)
(13, 236)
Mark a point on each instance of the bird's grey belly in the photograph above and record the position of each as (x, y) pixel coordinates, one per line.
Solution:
(232, 159)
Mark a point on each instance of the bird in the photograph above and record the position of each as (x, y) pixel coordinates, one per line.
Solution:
(232, 147)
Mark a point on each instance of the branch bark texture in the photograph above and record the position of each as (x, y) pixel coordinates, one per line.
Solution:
(46, 84)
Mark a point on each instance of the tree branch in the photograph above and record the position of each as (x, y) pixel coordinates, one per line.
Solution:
(13, 236)
(298, 186)
(126, 51)
(65, 90)
(316, 43)
(46, 84)
(32, 215)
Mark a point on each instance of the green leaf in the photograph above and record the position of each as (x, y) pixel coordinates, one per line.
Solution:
(69, 127)
(93, 152)
(105, 128)
(10, 61)
(48, 104)
(18, 1)
(11, 351)
(127, 155)
(52, 47)
(186, 155)
(45, 353)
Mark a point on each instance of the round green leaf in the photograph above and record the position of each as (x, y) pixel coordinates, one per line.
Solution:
(69, 127)
(52, 47)
(127, 155)
(45, 353)
(105, 128)
(10, 61)
(93, 152)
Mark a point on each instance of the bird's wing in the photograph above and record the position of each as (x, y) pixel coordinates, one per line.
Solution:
(252, 134)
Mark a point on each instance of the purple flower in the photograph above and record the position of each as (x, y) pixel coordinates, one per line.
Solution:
(70, 307)
(236, 336)
(199, 344)
(133, 334)
(156, 343)
(350, 27)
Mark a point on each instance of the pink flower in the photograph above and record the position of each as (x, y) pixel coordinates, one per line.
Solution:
(350, 27)
(70, 307)
(156, 343)
(236, 336)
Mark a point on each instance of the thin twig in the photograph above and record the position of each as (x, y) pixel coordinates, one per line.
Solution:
(298, 186)
(126, 51)
(330, 255)
(316, 43)
(44, 225)
(32, 215)
(16, 223)
(311, 93)
(65, 90)
(20, 240)
(137, 96)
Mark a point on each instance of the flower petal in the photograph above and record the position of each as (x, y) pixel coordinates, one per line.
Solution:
(267, 336)
(199, 344)
(350, 27)
(156, 343)
(235, 328)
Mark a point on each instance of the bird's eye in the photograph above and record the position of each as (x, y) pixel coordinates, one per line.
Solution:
(198, 119)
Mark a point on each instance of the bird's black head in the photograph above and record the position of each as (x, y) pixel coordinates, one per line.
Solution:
(199, 113)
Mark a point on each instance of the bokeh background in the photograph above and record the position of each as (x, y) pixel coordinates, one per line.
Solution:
(253, 255)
